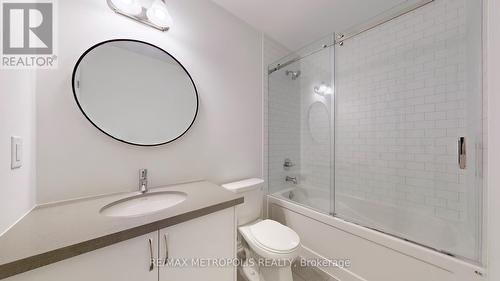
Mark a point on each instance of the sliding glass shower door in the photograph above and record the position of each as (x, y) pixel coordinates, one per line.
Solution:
(383, 128)
(300, 121)
(408, 127)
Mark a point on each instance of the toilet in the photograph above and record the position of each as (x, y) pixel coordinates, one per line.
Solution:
(269, 246)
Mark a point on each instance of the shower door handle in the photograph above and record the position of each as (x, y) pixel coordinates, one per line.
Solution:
(462, 155)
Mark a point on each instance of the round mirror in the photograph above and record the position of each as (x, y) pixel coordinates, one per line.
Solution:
(135, 92)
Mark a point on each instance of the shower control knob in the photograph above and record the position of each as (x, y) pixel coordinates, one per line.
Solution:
(288, 164)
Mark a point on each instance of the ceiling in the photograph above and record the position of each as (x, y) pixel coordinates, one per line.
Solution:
(295, 23)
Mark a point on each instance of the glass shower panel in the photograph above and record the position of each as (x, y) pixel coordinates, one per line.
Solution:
(406, 92)
(300, 126)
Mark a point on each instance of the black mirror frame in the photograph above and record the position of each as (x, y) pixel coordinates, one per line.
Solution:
(108, 134)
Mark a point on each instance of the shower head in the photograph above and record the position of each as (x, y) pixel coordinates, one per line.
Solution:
(293, 74)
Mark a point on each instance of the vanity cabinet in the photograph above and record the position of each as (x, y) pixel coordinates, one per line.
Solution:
(200, 248)
(210, 237)
(125, 261)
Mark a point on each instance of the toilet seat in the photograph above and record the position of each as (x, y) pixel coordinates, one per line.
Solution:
(270, 239)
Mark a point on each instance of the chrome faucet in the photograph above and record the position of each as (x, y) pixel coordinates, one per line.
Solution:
(143, 180)
(291, 179)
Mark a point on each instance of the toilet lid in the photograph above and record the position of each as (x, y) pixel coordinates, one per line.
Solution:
(275, 236)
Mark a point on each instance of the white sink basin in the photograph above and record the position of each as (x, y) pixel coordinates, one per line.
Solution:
(143, 204)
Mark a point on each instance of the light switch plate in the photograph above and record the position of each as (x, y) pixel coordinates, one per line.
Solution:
(16, 157)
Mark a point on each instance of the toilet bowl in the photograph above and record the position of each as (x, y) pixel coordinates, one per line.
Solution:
(269, 246)
(274, 247)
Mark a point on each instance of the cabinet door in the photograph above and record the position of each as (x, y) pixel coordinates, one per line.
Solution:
(208, 238)
(125, 261)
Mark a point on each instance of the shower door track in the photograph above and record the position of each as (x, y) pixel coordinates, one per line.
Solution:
(380, 19)
(285, 64)
(358, 29)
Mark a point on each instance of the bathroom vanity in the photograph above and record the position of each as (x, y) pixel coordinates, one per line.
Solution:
(75, 241)
(181, 232)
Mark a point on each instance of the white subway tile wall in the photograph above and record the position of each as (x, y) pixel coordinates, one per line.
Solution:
(316, 126)
(292, 135)
(401, 105)
(272, 51)
(299, 122)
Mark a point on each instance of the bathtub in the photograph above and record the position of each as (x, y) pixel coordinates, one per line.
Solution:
(438, 233)
(374, 255)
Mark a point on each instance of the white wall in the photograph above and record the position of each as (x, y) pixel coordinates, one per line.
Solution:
(224, 58)
(17, 113)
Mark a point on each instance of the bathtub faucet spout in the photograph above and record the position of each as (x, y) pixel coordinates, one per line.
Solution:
(291, 179)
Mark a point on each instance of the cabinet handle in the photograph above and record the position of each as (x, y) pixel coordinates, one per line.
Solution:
(151, 263)
(165, 238)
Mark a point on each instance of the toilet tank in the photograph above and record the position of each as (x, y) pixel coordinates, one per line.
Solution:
(252, 192)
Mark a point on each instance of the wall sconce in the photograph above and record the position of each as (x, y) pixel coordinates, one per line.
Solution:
(323, 90)
(150, 12)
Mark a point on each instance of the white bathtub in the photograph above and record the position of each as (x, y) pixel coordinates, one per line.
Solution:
(438, 234)
(374, 255)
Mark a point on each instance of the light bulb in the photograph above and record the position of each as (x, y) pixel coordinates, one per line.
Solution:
(158, 14)
(322, 89)
(131, 7)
